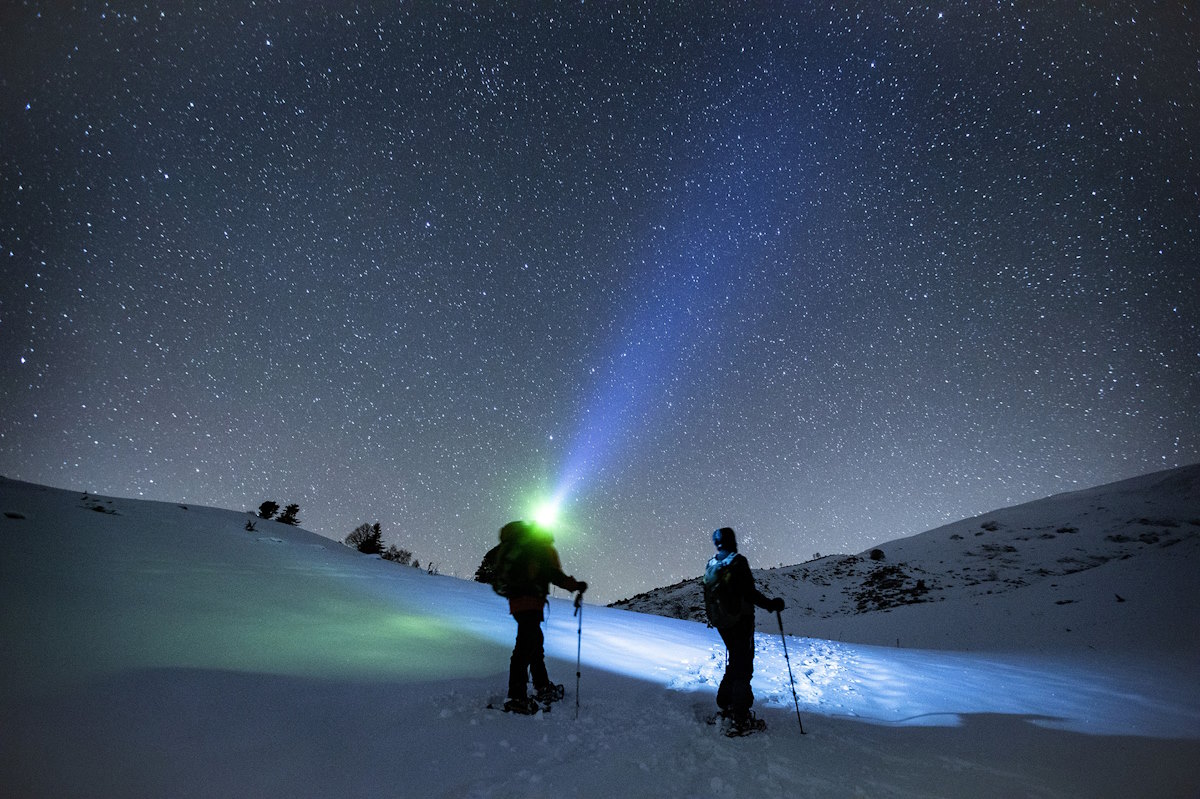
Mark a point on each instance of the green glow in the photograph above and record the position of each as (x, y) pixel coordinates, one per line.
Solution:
(546, 514)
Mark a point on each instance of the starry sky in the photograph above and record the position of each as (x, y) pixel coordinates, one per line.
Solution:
(830, 274)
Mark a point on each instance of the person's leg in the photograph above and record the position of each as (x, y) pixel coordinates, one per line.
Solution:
(740, 642)
(526, 651)
(729, 677)
(537, 656)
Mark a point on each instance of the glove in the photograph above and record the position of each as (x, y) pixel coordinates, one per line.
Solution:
(580, 586)
(777, 604)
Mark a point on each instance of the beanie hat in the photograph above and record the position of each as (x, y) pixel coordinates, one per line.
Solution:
(724, 538)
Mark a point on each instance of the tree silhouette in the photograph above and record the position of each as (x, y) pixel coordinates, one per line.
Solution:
(366, 538)
(398, 555)
(268, 509)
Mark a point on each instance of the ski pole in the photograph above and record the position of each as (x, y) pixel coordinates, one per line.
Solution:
(578, 648)
(791, 678)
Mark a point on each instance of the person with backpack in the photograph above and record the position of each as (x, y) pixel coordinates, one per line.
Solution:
(521, 569)
(729, 598)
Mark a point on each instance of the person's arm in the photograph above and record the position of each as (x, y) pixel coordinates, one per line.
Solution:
(568, 582)
(750, 591)
(562, 579)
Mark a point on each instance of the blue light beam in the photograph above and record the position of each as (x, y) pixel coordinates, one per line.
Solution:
(693, 286)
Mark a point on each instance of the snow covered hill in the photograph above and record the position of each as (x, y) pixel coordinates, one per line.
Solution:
(162, 650)
(1083, 570)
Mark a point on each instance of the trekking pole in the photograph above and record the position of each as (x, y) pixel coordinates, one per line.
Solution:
(578, 648)
(791, 679)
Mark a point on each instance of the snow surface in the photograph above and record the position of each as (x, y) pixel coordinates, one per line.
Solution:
(158, 650)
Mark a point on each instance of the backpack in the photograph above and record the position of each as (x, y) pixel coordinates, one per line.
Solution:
(508, 566)
(722, 601)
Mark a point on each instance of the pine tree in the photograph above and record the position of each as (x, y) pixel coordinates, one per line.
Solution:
(289, 515)
(367, 538)
(374, 543)
(268, 509)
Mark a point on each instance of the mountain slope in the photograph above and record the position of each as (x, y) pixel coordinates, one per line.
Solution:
(1067, 571)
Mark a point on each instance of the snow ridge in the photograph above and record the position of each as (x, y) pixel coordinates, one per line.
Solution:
(1104, 547)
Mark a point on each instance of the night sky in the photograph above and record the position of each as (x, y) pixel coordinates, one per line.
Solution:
(828, 275)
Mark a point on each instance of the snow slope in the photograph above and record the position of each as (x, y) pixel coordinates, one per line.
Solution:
(1087, 570)
(157, 650)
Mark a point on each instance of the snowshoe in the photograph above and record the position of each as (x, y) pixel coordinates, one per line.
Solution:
(747, 725)
(720, 717)
(526, 707)
(550, 693)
